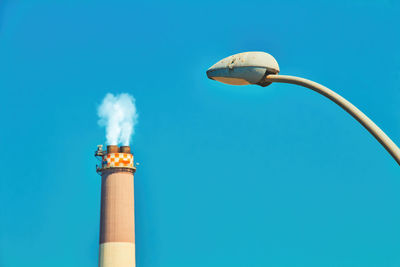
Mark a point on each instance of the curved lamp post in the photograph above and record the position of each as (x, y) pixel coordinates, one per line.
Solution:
(262, 69)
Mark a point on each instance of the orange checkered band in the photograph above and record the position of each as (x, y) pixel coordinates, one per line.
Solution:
(118, 160)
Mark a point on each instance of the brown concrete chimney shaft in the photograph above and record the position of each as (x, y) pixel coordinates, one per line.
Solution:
(117, 219)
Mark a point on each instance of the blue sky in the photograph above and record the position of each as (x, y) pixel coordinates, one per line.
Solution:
(229, 176)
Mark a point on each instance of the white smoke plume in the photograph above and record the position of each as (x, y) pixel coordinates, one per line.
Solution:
(118, 115)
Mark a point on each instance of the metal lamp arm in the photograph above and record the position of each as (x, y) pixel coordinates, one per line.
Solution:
(379, 135)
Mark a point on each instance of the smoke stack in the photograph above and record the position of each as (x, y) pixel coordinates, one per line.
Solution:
(125, 149)
(112, 149)
(117, 219)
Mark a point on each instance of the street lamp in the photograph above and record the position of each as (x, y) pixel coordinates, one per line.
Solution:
(262, 69)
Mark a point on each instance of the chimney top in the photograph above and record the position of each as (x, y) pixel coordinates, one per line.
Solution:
(125, 149)
(112, 149)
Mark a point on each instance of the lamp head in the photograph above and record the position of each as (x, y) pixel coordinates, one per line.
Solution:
(244, 68)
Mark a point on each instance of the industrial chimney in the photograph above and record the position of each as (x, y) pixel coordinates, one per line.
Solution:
(117, 219)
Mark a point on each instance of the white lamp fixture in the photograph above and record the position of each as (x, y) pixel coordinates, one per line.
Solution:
(244, 68)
